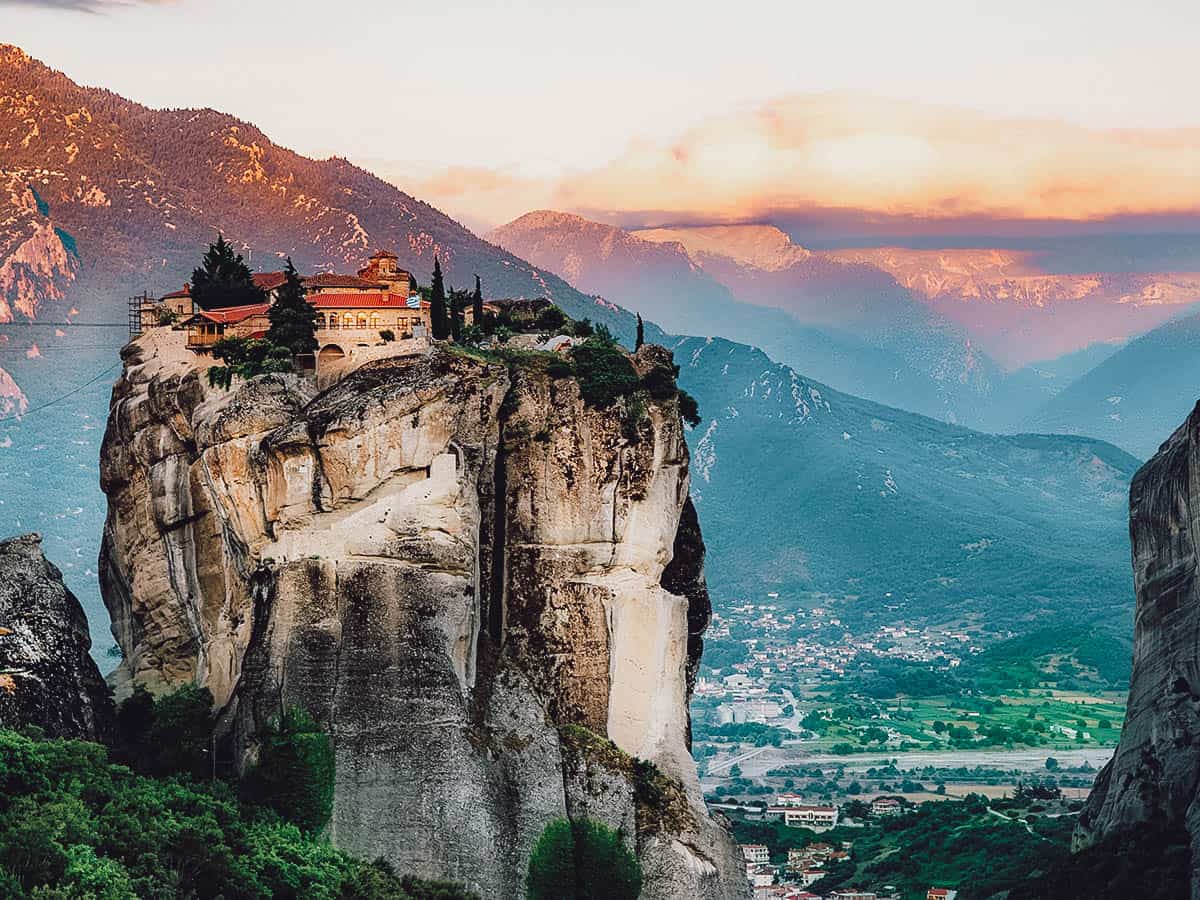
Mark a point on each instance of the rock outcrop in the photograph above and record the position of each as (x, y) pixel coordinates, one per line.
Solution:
(476, 582)
(1154, 777)
(47, 678)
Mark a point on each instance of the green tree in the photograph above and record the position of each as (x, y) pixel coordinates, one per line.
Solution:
(551, 319)
(1051, 764)
(293, 318)
(604, 371)
(245, 358)
(224, 279)
(552, 864)
(584, 860)
(294, 774)
(439, 320)
(477, 304)
(457, 302)
(641, 333)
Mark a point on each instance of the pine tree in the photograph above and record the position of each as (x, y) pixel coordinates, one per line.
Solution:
(439, 321)
(224, 279)
(293, 318)
(641, 333)
(477, 304)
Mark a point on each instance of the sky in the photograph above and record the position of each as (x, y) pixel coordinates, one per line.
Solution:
(641, 112)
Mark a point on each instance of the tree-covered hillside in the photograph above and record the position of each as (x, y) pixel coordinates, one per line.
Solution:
(823, 496)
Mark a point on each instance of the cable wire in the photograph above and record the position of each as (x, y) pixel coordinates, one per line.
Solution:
(60, 398)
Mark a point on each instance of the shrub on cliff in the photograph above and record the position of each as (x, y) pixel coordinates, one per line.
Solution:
(604, 372)
(294, 774)
(582, 859)
(660, 384)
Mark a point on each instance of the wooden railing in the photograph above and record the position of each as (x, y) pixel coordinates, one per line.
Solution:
(197, 340)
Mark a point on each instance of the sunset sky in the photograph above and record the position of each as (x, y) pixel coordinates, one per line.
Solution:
(679, 111)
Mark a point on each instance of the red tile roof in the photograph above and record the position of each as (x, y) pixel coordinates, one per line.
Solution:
(333, 280)
(384, 254)
(268, 281)
(231, 315)
(362, 301)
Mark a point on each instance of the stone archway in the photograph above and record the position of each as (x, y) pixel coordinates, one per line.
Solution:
(330, 353)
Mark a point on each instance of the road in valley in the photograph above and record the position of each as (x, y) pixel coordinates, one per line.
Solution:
(757, 764)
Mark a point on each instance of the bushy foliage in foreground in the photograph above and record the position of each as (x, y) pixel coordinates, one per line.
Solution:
(74, 825)
(582, 860)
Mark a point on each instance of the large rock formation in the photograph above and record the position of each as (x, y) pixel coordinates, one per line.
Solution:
(458, 568)
(47, 678)
(1154, 777)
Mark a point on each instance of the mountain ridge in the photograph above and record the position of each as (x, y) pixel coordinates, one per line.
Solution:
(136, 193)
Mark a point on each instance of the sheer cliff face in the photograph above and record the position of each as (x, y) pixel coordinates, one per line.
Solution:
(458, 568)
(1154, 777)
(47, 678)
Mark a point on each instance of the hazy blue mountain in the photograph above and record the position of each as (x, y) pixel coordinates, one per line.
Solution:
(1049, 377)
(848, 324)
(825, 497)
(1137, 396)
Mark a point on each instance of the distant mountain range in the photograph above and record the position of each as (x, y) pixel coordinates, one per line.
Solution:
(1012, 308)
(1134, 397)
(850, 325)
(900, 327)
(824, 497)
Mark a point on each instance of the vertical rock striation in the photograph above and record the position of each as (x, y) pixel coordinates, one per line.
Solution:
(478, 584)
(47, 678)
(1154, 777)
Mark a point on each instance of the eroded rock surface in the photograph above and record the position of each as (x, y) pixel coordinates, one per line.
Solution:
(47, 677)
(1154, 776)
(460, 569)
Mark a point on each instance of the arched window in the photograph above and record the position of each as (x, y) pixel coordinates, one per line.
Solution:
(348, 320)
(333, 320)
(362, 320)
(375, 320)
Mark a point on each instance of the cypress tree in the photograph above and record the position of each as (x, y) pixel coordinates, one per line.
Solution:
(224, 279)
(641, 333)
(439, 321)
(477, 304)
(293, 318)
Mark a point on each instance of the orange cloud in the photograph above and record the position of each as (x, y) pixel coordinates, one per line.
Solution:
(835, 152)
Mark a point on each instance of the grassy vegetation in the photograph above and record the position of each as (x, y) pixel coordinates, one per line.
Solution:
(75, 825)
(964, 845)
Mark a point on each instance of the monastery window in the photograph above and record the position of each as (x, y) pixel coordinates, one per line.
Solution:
(333, 320)
(375, 320)
(348, 320)
(362, 320)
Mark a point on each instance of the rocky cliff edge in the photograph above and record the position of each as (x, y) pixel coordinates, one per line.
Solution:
(1153, 778)
(475, 581)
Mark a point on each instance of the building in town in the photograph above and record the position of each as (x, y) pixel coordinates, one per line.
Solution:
(818, 818)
